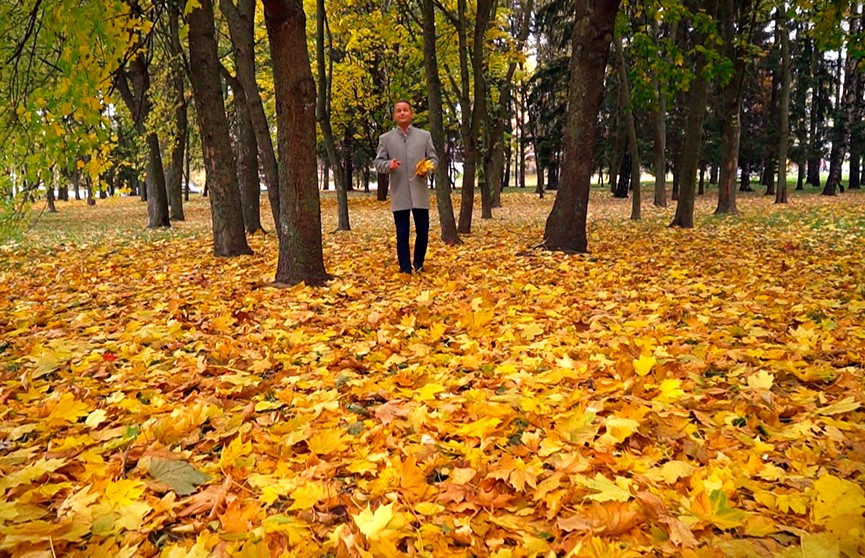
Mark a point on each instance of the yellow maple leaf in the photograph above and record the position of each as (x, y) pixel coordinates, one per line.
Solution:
(67, 410)
(618, 430)
(326, 441)
(670, 391)
(644, 364)
(307, 495)
(372, 523)
(761, 380)
(480, 428)
(233, 452)
(714, 507)
(838, 503)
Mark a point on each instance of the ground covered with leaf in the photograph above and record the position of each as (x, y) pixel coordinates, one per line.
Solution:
(672, 393)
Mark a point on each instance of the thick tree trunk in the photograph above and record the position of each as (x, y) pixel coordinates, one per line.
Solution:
(323, 116)
(301, 257)
(174, 176)
(246, 151)
(693, 131)
(783, 33)
(383, 182)
(633, 147)
(241, 25)
(52, 207)
(229, 237)
(565, 228)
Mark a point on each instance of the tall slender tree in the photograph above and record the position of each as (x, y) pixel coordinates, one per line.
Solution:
(241, 22)
(229, 237)
(693, 131)
(323, 117)
(434, 89)
(783, 33)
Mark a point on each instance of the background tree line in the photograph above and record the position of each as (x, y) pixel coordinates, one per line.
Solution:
(133, 93)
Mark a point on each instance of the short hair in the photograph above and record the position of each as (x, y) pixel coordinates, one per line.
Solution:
(403, 101)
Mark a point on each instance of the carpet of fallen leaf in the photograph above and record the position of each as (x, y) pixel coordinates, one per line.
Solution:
(693, 393)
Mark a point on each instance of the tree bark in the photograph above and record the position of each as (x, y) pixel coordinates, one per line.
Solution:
(52, 207)
(174, 177)
(137, 98)
(434, 92)
(241, 22)
(633, 147)
(246, 151)
(693, 131)
(843, 118)
(565, 228)
(323, 116)
(473, 115)
(659, 119)
(229, 238)
(301, 257)
(783, 33)
(731, 115)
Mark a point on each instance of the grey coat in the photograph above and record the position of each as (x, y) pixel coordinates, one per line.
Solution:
(407, 190)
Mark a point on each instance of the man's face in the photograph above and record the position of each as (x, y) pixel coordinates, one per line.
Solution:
(402, 114)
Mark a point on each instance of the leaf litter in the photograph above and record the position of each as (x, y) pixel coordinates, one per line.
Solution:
(674, 392)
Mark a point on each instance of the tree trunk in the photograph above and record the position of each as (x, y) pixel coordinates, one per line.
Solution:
(565, 228)
(783, 33)
(770, 159)
(745, 177)
(843, 117)
(854, 181)
(815, 147)
(246, 151)
(174, 178)
(539, 187)
(301, 257)
(472, 117)
(383, 182)
(731, 115)
(323, 117)
(49, 192)
(617, 156)
(241, 25)
(634, 148)
(659, 129)
(157, 195)
(693, 131)
(137, 98)
(229, 238)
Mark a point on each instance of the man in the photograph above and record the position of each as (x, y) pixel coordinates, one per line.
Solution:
(399, 152)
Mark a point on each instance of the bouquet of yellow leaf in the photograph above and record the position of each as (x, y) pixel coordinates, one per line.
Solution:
(424, 167)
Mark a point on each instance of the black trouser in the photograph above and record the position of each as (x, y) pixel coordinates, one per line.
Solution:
(403, 224)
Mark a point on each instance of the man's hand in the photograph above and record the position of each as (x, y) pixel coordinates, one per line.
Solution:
(394, 164)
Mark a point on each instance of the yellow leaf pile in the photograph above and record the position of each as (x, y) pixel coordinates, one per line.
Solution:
(672, 393)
